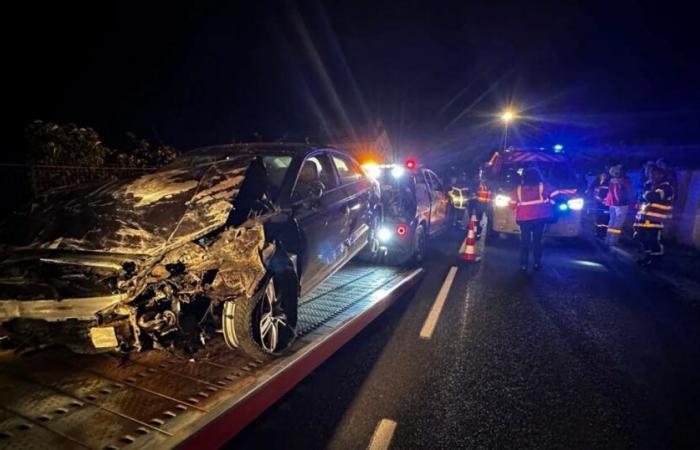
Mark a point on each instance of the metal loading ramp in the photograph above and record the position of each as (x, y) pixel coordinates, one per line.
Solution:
(56, 399)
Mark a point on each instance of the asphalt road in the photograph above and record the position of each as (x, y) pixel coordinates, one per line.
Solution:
(588, 353)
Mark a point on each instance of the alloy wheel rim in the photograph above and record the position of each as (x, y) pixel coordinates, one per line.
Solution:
(271, 320)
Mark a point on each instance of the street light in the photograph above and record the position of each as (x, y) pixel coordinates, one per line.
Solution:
(507, 117)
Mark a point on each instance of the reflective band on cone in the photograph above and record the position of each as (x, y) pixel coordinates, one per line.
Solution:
(470, 243)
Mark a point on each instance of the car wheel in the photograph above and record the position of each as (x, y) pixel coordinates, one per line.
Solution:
(265, 324)
(421, 242)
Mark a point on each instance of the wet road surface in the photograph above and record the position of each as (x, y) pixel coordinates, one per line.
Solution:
(588, 353)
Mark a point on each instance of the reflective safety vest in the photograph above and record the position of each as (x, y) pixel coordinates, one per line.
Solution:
(619, 192)
(532, 203)
(657, 207)
(484, 195)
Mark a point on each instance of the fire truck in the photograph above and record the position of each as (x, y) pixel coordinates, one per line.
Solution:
(501, 174)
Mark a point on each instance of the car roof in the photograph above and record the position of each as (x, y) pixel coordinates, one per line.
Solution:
(258, 147)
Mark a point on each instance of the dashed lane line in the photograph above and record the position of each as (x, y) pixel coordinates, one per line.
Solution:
(382, 435)
(431, 321)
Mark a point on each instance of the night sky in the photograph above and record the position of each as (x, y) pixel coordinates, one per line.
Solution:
(434, 73)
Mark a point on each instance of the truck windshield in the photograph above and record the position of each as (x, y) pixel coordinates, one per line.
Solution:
(556, 174)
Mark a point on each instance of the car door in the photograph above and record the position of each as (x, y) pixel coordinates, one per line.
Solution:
(357, 187)
(439, 203)
(423, 201)
(318, 222)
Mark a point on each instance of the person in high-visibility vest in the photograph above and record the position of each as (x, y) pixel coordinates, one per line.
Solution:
(617, 200)
(655, 211)
(533, 210)
(477, 205)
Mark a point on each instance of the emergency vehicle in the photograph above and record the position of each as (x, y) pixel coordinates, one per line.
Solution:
(415, 206)
(501, 175)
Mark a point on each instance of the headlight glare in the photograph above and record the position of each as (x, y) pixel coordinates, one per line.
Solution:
(501, 201)
(372, 170)
(575, 203)
(384, 234)
(397, 171)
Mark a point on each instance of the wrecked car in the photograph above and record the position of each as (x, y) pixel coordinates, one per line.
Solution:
(225, 240)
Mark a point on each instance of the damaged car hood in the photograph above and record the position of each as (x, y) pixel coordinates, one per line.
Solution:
(145, 216)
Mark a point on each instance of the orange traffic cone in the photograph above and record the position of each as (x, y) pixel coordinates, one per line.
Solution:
(474, 223)
(468, 250)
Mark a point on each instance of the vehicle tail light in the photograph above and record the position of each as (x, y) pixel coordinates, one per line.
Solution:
(401, 230)
(410, 164)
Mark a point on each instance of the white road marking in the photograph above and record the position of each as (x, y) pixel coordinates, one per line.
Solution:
(431, 321)
(382, 435)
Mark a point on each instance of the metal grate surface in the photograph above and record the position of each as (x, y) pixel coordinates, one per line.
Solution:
(54, 399)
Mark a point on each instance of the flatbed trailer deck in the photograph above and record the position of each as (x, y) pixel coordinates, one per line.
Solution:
(156, 399)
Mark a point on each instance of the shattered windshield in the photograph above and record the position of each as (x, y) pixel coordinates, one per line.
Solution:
(276, 164)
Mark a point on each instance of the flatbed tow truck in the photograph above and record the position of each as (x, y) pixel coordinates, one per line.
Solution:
(55, 399)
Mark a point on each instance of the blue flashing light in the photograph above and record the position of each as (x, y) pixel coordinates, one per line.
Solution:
(558, 148)
(563, 207)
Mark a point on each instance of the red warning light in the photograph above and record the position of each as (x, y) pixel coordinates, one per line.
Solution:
(410, 164)
(401, 230)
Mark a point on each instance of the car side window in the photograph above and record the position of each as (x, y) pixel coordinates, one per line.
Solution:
(316, 171)
(348, 171)
(425, 178)
(435, 182)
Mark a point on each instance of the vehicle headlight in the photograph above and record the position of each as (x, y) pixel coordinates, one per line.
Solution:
(372, 170)
(501, 201)
(384, 234)
(397, 171)
(575, 203)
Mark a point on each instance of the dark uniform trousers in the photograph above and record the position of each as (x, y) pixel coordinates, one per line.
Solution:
(531, 236)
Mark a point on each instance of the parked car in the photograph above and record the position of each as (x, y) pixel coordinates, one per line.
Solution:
(226, 239)
(415, 206)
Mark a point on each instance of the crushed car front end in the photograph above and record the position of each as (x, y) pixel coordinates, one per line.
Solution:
(92, 303)
(148, 263)
(57, 296)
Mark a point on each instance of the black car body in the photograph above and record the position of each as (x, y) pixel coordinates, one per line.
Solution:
(415, 206)
(226, 239)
